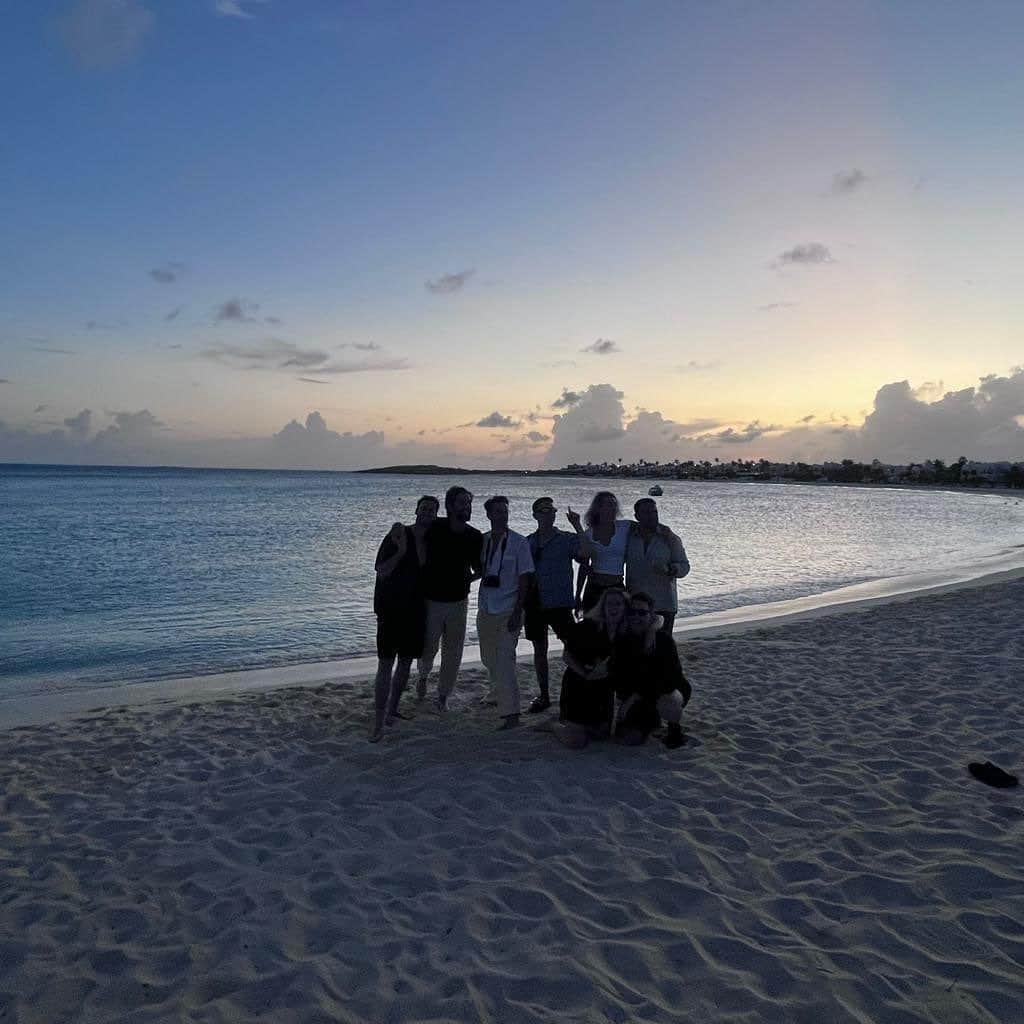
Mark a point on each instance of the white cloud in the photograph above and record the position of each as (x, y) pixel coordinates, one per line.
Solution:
(79, 425)
(101, 34)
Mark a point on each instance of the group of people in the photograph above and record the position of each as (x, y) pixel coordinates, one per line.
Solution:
(607, 590)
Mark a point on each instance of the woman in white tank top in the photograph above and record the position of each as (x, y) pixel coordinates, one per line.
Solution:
(603, 543)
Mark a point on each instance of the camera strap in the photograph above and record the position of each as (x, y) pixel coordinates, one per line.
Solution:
(490, 552)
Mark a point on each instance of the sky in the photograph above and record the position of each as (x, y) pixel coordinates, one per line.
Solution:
(325, 234)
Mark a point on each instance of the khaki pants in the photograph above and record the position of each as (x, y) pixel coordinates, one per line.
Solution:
(498, 653)
(446, 628)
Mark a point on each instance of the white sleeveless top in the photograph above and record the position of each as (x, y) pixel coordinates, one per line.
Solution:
(609, 560)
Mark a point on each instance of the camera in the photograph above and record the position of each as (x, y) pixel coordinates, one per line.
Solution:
(490, 580)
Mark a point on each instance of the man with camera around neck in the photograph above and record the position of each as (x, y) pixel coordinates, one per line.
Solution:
(506, 565)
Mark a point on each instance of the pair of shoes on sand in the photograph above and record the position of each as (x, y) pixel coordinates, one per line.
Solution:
(539, 703)
(991, 775)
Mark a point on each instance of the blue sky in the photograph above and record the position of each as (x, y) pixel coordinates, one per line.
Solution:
(409, 217)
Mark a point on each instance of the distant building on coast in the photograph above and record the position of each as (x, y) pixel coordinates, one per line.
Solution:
(962, 473)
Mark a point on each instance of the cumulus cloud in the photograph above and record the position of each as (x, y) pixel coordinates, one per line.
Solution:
(808, 418)
(808, 254)
(447, 284)
(129, 428)
(174, 313)
(595, 429)
(602, 347)
(979, 422)
(495, 419)
(38, 409)
(168, 273)
(370, 346)
(566, 399)
(102, 34)
(237, 310)
(751, 432)
(79, 425)
(536, 437)
(139, 438)
(846, 182)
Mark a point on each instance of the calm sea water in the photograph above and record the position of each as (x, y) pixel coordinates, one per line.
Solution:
(116, 575)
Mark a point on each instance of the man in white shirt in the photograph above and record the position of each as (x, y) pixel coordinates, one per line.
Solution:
(506, 564)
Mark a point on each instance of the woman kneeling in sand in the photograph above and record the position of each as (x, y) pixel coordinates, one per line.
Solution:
(647, 677)
(588, 700)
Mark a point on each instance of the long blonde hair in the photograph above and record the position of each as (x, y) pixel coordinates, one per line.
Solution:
(597, 613)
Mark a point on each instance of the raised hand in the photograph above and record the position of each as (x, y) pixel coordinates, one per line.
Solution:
(574, 519)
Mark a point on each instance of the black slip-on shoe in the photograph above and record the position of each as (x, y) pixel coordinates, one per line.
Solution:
(992, 775)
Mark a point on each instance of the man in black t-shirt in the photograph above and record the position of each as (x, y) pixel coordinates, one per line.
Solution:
(453, 562)
(401, 614)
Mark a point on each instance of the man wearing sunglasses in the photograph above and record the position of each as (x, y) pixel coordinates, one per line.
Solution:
(649, 679)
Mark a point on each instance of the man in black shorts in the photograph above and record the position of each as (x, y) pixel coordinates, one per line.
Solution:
(399, 606)
(550, 603)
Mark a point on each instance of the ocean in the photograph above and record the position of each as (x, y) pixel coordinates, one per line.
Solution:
(113, 575)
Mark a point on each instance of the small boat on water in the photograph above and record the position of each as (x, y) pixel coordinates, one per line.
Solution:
(655, 491)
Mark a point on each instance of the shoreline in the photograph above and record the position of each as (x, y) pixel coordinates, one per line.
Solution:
(20, 711)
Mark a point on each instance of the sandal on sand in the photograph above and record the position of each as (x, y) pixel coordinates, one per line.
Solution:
(992, 775)
(538, 704)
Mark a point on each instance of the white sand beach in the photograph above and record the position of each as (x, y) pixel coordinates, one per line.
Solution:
(816, 852)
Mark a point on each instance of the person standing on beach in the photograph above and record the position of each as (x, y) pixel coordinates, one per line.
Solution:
(550, 603)
(602, 544)
(507, 566)
(399, 606)
(648, 678)
(655, 559)
(453, 562)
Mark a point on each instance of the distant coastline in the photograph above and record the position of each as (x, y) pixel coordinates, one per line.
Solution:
(623, 473)
(974, 487)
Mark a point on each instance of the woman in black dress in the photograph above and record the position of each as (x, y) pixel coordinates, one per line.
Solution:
(587, 701)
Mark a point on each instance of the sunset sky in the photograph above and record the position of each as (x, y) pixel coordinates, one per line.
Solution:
(317, 233)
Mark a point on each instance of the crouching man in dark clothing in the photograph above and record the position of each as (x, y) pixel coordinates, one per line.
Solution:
(648, 678)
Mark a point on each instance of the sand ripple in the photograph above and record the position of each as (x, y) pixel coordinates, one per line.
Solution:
(816, 852)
